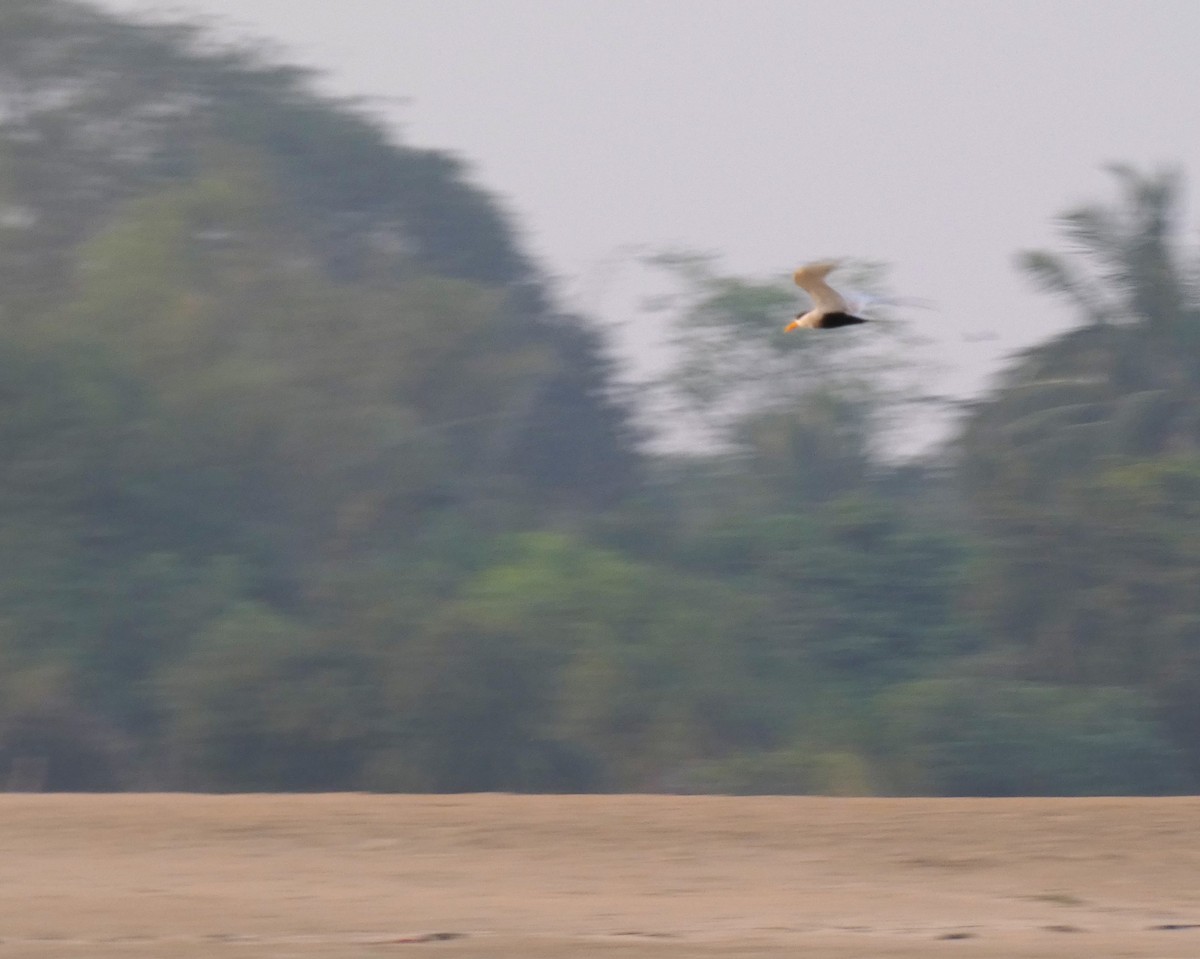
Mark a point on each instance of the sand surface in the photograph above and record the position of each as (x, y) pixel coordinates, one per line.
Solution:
(627, 877)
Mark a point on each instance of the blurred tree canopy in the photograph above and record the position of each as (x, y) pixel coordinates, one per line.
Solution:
(307, 484)
(1082, 469)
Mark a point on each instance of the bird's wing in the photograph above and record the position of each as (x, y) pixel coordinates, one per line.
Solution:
(811, 279)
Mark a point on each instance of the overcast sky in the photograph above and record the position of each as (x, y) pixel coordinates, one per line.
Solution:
(938, 136)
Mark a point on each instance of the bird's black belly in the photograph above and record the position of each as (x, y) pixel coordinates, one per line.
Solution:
(831, 321)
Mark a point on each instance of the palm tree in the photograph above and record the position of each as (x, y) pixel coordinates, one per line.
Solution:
(1124, 268)
(1125, 383)
(1045, 459)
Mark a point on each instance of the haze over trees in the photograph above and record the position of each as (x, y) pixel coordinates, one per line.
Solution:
(307, 483)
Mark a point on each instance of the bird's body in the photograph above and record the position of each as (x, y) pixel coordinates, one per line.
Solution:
(830, 309)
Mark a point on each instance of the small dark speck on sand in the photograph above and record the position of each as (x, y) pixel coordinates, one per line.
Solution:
(426, 937)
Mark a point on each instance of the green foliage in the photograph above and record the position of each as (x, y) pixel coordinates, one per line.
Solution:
(49, 737)
(1127, 268)
(475, 696)
(793, 771)
(1081, 468)
(997, 738)
(257, 704)
(737, 366)
(271, 379)
(857, 590)
(634, 674)
(306, 485)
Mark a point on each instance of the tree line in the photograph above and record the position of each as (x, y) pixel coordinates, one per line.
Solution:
(307, 483)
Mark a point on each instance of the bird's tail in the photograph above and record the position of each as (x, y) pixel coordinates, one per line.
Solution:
(863, 303)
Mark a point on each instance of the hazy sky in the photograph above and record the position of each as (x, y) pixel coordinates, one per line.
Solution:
(939, 136)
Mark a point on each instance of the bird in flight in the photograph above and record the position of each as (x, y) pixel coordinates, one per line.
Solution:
(830, 309)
